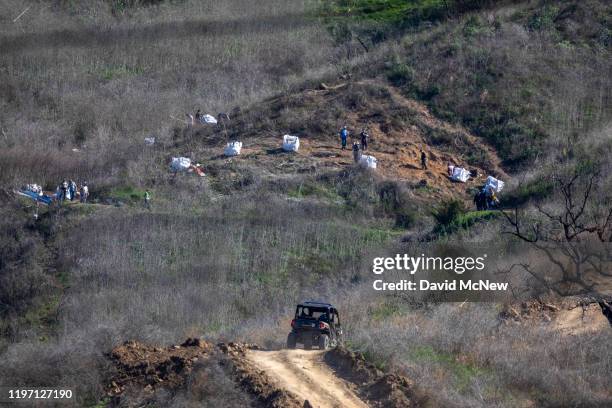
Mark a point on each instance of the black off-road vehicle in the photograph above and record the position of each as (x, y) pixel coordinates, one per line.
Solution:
(315, 323)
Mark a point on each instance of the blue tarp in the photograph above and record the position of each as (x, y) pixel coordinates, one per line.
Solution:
(45, 199)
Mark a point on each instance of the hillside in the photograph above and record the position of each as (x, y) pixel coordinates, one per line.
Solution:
(100, 296)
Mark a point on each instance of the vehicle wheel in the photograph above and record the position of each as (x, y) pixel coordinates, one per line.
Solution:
(308, 343)
(291, 341)
(323, 342)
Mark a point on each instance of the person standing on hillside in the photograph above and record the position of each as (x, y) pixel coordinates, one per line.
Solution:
(64, 190)
(147, 199)
(364, 139)
(84, 193)
(344, 136)
(480, 200)
(356, 152)
(73, 189)
(423, 160)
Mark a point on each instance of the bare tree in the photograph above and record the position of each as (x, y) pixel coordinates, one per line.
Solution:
(571, 232)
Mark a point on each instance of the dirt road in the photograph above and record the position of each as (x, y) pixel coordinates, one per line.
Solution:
(306, 374)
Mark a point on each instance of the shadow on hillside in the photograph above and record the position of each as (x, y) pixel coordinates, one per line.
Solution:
(172, 30)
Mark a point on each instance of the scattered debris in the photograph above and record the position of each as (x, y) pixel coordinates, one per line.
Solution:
(233, 149)
(35, 192)
(494, 184)
(460, 174)
(21, 14)
(34, 188)
(180, 163)
(368, 161)
(149, 141)
(326, 87)
(291, 143)
(197, 169)
(208, 120)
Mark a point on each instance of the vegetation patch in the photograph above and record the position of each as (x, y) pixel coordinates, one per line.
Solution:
(111, 72)
(452, 215)
(463, 372)
(127, 194)
(314, 190)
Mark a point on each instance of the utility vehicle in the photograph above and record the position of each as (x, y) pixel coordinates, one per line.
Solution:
(315, 323)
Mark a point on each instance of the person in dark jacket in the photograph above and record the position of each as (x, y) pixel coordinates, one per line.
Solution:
(356, 152)
(364, 139)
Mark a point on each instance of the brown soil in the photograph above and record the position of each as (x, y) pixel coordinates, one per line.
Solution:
(313, 378)
(256, 381)
(276, 379)
(396, 146)
(380, 390)
(569, 316)
(141, 367)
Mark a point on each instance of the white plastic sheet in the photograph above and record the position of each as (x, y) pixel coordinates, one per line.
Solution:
(208, 119)
(368, 161)
(291, 143)
(149, 141)
(233, 149)
(35, 188)
(180, 163)
(494, 184)
(460, 174)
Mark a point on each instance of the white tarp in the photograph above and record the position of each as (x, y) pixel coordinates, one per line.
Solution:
(149, 141)
(368, 161)
(291, 143)
(460, 174)
(35, 188)
(233, 149)
(494, 184)
(208, 119)
(180, 163)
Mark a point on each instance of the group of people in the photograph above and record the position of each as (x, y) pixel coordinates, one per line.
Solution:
(67, 191)
(362, 145)
(486, 199)
(364, 136)
(358, 146)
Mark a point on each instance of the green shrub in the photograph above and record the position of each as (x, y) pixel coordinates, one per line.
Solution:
(533, 190)
(473, 25)
(544, 18)
(405, 217)
(400, 74)
(448, 212)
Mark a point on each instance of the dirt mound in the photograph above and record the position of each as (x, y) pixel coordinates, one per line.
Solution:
(236, 349)
(399, 128)
(255, 381)
(382, 390)
(570, 315)
(141, 367)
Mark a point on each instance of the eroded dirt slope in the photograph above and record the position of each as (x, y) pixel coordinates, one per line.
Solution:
(399, 129)
(305, 374)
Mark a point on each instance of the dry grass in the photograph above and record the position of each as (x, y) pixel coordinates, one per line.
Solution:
(74, 75)
(229, 258)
